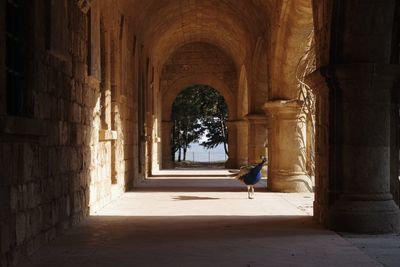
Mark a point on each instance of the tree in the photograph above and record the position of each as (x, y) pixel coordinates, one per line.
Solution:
(214, 120)
(196, 111)
(187, 126)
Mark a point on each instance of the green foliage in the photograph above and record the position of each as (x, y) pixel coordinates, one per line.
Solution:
(199, 110)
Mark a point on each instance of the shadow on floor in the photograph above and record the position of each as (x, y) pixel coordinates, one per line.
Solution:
(185, 184)
(206, 172)
(194, 198)
(198, 241)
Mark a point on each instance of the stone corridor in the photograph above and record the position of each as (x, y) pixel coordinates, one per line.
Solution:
(86, 88)
(176, 220)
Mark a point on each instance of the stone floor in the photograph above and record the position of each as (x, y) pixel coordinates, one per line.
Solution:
(178, 219)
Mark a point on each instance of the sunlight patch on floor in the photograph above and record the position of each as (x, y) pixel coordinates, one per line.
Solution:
(209, 204)
(195, 172)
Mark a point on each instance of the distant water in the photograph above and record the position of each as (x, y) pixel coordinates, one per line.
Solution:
(198, 153)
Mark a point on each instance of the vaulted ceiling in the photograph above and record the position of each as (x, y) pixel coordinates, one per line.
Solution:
(232, 25)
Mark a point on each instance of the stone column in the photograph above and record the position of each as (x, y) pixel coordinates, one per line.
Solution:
(360, 121)
(395, 143)
(166, 150)
(242, 142)
(257, 135)
(324, 192)
(287, 137)
(232, 146)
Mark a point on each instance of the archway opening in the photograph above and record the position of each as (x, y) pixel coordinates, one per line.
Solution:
(199, 136)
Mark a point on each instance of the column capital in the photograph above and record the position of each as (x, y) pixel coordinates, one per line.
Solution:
(282, 107)
(256, 118)
(350, 72)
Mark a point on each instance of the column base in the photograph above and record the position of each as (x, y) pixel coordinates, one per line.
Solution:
(365, 216)
(231, 163)
(321, 213)
(289, 183)
(168, 165)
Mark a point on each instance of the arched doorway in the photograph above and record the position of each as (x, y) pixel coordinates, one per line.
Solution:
(199, 134)
(183, 69)
(168, 123)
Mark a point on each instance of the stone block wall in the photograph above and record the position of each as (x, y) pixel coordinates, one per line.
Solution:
(201, 60)
(55, 169)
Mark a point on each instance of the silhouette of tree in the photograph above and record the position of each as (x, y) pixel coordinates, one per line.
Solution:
(196, 111)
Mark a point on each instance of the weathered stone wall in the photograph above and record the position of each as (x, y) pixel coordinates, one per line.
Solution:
(59, 164)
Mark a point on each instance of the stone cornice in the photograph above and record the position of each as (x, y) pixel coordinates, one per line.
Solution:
(321, 79)
(352, 71)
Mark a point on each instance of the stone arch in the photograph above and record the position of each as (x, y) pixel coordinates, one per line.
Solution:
(286, 126)
(259, 82)
(291, 29)
(173, 91)
(196, 63)
(241, 124)
(169, 97)
(258, 94)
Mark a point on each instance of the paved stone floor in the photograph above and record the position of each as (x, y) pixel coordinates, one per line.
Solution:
(184, 220)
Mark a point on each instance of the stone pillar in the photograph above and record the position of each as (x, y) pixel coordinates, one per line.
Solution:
(3, 97)
(287, 137)
(395, 143)
(232, 146)
(360, 120)
(324, 192)
(242, 142)
(148, 143)
(166, 150)
(257, 135)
